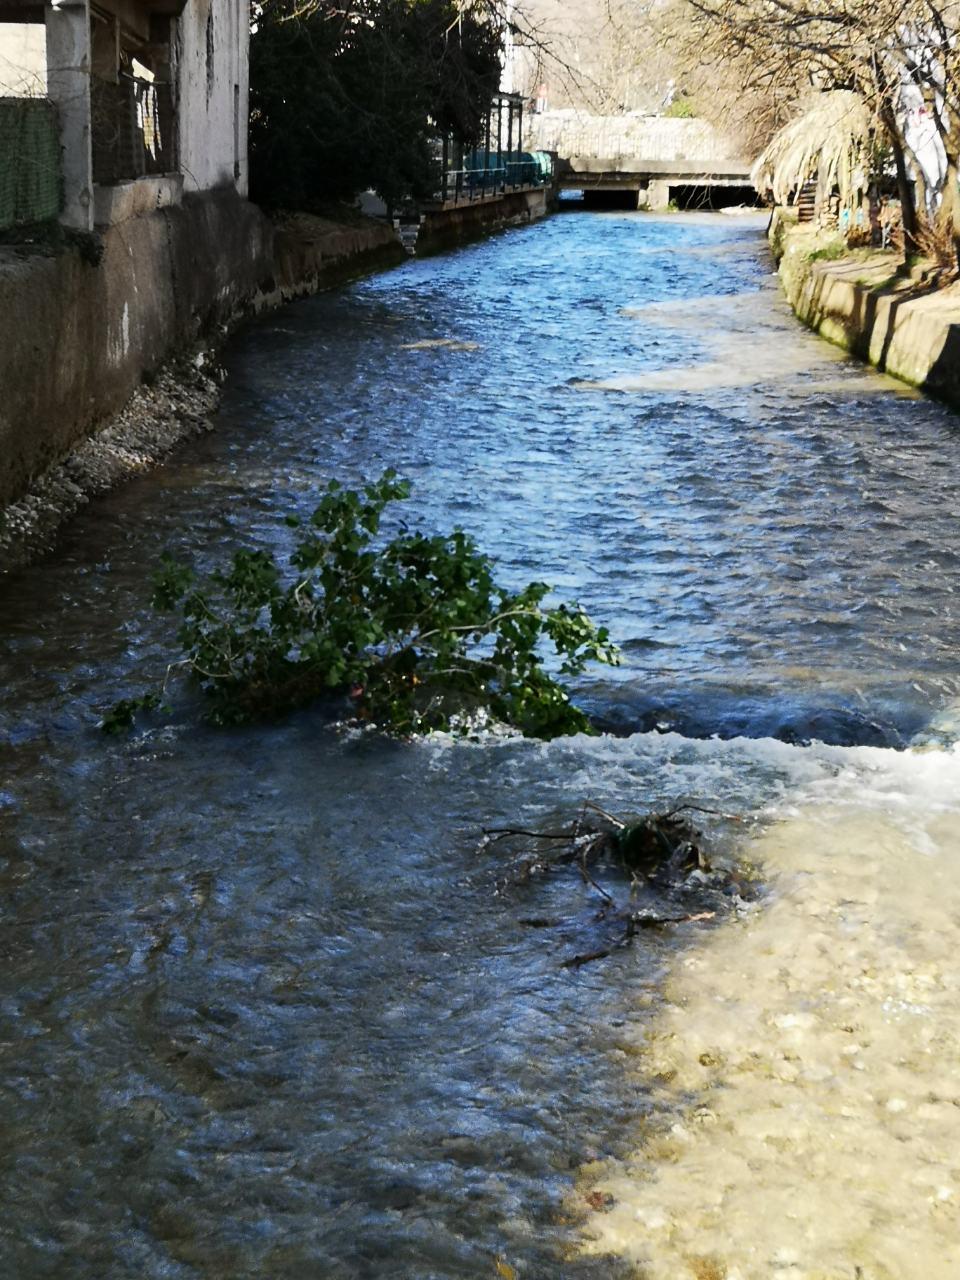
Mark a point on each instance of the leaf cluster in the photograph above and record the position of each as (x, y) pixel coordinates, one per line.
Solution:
(414, 628)
(342, 100)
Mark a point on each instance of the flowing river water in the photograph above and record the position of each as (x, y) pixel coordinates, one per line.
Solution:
(263, 1010)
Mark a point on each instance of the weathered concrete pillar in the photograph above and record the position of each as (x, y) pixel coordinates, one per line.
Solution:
(68, 84)
(658, 194)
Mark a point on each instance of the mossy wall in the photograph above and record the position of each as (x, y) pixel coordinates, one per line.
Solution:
(899, 321)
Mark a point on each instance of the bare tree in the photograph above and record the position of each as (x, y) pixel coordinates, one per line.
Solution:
(928, 58)
(790, 48)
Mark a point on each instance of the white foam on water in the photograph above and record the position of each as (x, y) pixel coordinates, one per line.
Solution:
(806, 1067)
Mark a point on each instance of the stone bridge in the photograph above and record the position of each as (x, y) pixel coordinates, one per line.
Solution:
(641, 161)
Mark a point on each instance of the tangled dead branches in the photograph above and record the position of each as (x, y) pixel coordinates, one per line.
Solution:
(661, 856)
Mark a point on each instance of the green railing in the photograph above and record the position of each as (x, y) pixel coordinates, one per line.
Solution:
(30, 179)
(491, 173)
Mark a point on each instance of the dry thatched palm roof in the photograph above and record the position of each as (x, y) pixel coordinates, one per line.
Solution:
(830, 141)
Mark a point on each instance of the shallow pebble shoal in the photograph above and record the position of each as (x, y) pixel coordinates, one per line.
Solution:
(807, 1063)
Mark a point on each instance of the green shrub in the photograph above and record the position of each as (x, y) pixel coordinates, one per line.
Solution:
(415, 629)
(681, 109)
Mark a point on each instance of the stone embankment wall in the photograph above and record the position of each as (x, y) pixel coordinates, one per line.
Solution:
(80, 337)
(901, 322)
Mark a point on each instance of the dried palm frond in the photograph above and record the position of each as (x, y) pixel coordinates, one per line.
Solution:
(830, 141)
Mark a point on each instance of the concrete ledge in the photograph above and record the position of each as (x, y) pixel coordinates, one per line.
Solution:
(131, 199)
(903, 324)
(311, 253)
(443, 228)
(470, 202)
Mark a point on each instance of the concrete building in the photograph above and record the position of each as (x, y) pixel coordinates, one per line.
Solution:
(152, 97)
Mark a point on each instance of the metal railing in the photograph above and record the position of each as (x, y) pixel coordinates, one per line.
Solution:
(485, 174)
(133, 127)
(471, 184)
(497, 164)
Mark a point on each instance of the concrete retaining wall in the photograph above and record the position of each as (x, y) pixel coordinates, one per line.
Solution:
(79, 337)
(901, 323)
(444, 228)
(314, 253)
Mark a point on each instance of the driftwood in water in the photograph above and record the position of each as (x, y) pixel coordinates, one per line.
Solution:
(671, 879)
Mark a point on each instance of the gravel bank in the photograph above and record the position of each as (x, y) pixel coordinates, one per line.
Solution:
(175, 406)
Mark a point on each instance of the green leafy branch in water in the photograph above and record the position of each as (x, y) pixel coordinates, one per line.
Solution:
(415, 628)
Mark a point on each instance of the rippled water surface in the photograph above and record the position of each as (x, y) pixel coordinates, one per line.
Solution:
(262, 1009)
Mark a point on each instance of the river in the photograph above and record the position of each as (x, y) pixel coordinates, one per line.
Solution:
(265, 1008)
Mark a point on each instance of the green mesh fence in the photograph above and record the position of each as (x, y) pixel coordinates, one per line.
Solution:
(30, 184)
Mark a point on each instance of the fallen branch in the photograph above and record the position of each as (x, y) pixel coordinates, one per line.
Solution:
(501, 832)
(633, 924)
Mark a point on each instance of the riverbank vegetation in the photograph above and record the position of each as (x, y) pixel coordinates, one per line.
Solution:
(414, 629)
